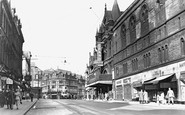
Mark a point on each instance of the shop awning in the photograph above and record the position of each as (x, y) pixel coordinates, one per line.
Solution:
(100, 82)
(155, 81)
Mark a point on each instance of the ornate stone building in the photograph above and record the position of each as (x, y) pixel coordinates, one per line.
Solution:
(11, 42)
(54, 82)
(100, 69)
(148, 49)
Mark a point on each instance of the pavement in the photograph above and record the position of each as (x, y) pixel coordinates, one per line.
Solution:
(23, 108)
(149, 105)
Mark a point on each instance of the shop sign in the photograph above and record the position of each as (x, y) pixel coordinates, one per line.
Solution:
(149, 87)
(156, 73)
(182, 65)
(127, 81)
(118, 82)
(9, 81)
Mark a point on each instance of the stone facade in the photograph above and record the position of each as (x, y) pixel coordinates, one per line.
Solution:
(11, 43)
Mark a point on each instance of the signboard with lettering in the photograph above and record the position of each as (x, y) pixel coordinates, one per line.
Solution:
(9, 81)
(127, 81)
(119, 82)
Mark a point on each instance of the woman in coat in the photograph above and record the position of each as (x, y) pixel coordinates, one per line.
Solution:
(17, 98)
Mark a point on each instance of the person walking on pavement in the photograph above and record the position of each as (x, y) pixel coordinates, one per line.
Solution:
(170, 95)
(141, 97)
(145, 96)
(10, 99)
(31, 96)
(17, 98)
(2, 98)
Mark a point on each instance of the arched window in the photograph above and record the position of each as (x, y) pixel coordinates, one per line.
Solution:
(144, 20)
(123, 34)
(166, 53)
(162, 54)
(132, 27)
(136, 64)
(105, 71)
(159, 55)
(144, 60)
(149, 59)
(182, 46)
(144, 13)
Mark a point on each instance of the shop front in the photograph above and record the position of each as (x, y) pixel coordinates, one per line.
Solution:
(101, 85)
(119, 89)
(127, 89)
(161, 84)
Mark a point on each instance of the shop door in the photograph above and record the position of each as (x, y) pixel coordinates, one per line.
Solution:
(127, 92)
(119, 94)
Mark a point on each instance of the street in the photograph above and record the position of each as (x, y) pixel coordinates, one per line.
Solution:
(83, 107)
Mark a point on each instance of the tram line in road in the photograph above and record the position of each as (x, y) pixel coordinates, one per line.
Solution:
(82, 110)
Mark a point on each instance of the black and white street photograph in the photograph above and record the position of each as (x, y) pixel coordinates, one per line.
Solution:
(92, 57)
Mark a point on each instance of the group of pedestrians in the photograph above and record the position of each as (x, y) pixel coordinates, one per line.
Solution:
(10, 97)
(169, 98)
(161, 98)
(143, 97)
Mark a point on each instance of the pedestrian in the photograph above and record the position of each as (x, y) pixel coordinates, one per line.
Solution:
(27, 96)
(141, 97)
(2, 98)
(31, 96)
(10, 99)
(17, 98)
(162, 98)
(145, 96)
(158, 97)
(170, 96)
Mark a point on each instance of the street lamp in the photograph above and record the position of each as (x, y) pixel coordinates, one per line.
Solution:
(38, 76)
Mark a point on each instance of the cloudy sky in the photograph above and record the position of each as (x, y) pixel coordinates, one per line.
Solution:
(58, 30)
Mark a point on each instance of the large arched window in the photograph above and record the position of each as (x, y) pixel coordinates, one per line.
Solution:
(144, 20)
(132, 27)
(123, 35)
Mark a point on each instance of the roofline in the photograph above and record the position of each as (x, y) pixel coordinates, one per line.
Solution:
(125, 13)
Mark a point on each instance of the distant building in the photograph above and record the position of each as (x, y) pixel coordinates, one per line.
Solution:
(11, 43)
(62, 84)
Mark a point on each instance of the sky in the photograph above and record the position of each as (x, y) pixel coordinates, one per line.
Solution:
(58, 30)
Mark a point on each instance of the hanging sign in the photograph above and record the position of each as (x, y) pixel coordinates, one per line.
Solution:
(9, 81)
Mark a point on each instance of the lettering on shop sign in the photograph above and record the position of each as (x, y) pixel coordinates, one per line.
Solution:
(182, 64)
(156, 73)
(127, 81)
(118, 82)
